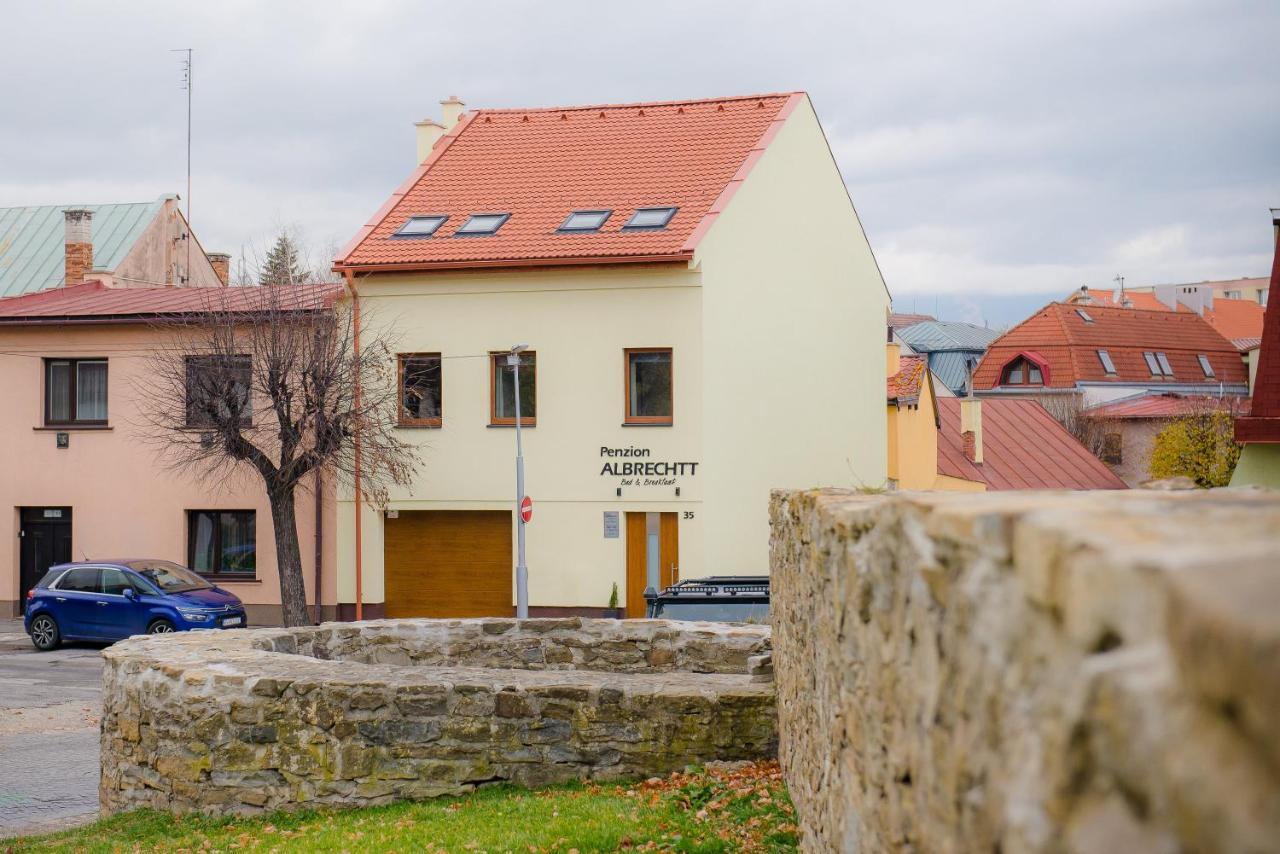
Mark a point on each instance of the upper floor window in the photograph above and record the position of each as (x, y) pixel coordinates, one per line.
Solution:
(1204, 365)
(1022, 371)
(218, 390)
(222, 542)
(1084, 315)
(1231, 294)
(649, 398)
(75, 391)
(420, 390)
(1107, 365)
(1158, 364)
(502, 389)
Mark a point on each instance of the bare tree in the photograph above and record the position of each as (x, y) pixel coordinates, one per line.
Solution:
(269, 380)
(1089, 430)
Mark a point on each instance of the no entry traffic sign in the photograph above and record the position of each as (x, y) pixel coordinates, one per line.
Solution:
(526, 508)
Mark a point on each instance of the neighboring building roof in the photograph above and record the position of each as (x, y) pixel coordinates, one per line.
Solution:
(1023, 447)
(932, 335)
(32, 256)
(94, 301)
(905, 385)
(952, 368)
(1059, 336)
(1166, 405)
(1245, 344)
(900, 321)
(1234, 318)
(1245, 284)
(540, 165)
(1263, 422)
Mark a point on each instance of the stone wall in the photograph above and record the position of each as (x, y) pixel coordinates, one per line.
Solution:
(354, 715)
(1031, 672)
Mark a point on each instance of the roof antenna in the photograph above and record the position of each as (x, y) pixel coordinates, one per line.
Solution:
(186, 85)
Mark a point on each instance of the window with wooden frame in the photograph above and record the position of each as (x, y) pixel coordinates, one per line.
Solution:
(75, 392)
(217, 389)
(1022, 371)
(223, 543)
(421, 389)
(649, 398)
(502, 389)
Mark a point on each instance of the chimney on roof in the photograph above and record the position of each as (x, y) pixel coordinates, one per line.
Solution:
(1084, 297)
(221, 263)
(77, 245)
(971, 426)
(430, 131)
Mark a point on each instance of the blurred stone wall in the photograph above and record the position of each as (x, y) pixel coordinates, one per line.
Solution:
(1030, 672)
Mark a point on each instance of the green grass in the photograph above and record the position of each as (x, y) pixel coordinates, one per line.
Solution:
(702, 811)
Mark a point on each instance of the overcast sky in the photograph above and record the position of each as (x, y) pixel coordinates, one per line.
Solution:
(997, 152)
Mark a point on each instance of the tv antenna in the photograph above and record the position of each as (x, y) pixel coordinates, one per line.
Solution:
(186, 85)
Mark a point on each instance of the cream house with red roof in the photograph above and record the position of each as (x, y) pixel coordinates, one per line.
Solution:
(704, 318)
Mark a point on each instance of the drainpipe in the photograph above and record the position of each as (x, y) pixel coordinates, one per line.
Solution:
(319, 547)
(355, 308)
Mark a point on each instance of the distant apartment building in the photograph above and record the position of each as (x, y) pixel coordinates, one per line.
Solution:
(704, 321)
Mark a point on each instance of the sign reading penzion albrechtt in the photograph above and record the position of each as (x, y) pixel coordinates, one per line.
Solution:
(640, 470)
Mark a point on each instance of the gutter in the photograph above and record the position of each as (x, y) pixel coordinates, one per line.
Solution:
(575, 261)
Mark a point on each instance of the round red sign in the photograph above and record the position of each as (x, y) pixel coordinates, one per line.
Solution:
(526, 508)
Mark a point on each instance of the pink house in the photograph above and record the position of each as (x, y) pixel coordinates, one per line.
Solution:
(78, 479)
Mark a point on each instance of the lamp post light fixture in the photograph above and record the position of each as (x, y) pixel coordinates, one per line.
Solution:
(522, 571)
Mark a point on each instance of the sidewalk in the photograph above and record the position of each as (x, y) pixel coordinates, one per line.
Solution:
(12, 636)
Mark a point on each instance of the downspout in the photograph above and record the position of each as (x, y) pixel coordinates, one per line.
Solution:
(355, 309)
(319, 548)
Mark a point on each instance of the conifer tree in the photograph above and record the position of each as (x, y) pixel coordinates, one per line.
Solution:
(283, 265)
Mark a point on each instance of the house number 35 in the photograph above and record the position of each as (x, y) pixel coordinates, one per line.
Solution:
(688, 514)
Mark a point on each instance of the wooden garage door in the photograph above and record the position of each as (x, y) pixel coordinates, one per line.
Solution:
(448, 563)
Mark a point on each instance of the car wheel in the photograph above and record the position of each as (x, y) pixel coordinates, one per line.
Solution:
(44, 633)
(160, 627)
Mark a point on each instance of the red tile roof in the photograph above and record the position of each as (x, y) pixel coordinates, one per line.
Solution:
(96, 301)
(1263, 422)
(1234, 318)
(541, 164)
(904, 386)
(1070, 344)
(1023, 447)
(1168, 406)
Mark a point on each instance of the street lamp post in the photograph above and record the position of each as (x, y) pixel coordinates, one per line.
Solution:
(522, 571)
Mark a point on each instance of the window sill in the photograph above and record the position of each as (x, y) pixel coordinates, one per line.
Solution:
(512, 426)
(420, 425)
(74, 428)
(648, 423)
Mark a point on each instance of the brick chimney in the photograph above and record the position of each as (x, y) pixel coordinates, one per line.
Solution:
(221, 263)
(971, 427)
(77, 245)
(430, 131)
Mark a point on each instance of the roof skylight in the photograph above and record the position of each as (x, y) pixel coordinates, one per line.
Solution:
(421, 226)
(1204, 365)
(649, 219)
(481, 225)
(585, 221)
(1164, 364)
(1107, 365)
(1084, 315)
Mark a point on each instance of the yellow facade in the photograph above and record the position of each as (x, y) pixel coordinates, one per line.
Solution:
(912, 439)
(775, 329)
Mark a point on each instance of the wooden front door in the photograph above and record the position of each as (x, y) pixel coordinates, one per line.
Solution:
(448, 563)
(46, 540)
(653, 556)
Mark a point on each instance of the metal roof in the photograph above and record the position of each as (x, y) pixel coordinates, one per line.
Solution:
(931, 335)
(952, 367)
(31, 241)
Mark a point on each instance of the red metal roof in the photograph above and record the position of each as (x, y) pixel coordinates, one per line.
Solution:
(1167, 405)
(1023, 447)
(539, 165)
(906, 383)
(96, 301)
(1069, 344)
(1263, 423)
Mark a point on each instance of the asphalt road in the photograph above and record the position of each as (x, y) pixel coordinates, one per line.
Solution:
(49, 708)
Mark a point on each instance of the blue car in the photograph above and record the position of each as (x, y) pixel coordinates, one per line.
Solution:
(110, 600)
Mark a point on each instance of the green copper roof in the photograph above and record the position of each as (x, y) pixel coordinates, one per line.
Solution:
(31, 240)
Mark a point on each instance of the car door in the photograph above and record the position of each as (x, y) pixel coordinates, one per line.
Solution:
(75, 601)
(118, 615)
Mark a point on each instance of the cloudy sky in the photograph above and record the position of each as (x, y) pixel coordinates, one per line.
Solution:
(997, 152)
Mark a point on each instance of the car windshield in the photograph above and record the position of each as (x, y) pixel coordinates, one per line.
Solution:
(169, 577)
(721, 612)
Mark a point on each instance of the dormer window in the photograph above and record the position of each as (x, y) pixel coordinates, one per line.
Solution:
(649, 219)
(421, 226)
(482, 225)
(1022, 371)
(584, 221)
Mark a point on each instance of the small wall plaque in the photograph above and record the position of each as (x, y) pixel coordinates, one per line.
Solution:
(64, 440)
(393, 514)
(611, 524)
